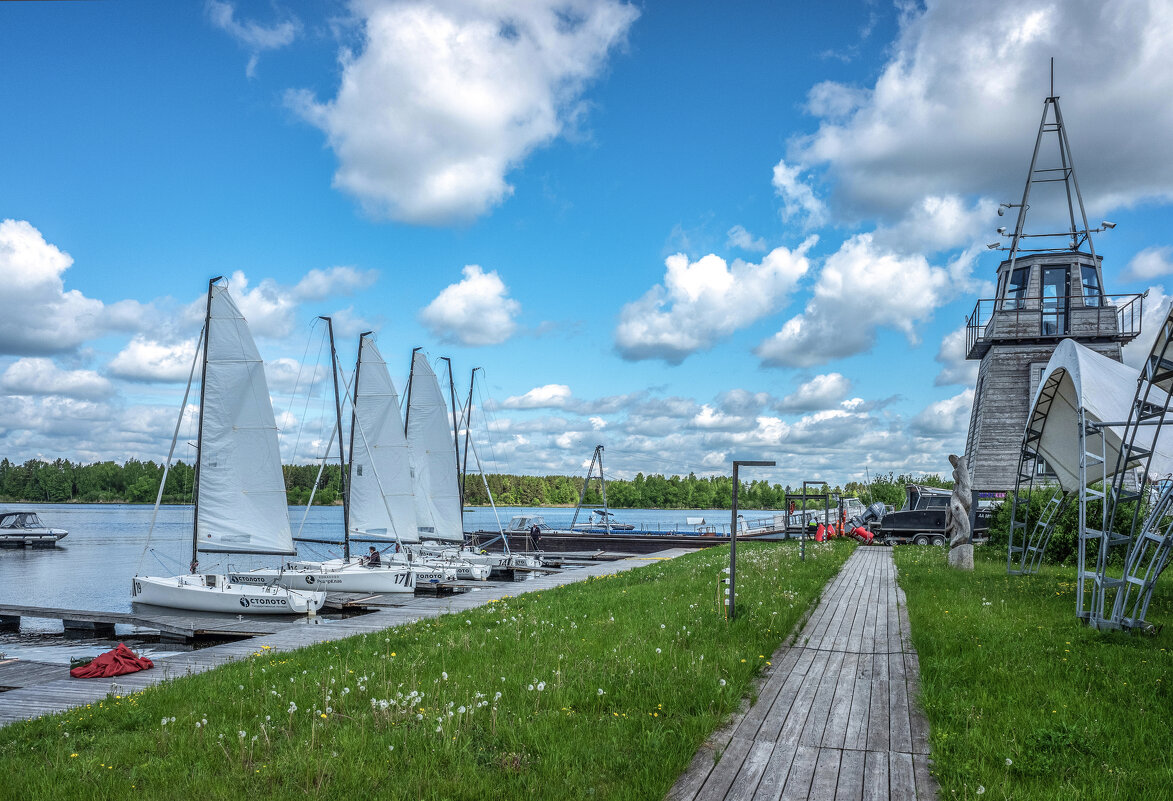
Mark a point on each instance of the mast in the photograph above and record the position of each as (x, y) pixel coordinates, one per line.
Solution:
(195, 523)
(467, 432)
(353, 425)
(407, 400)
(341, 450)
(455, 441)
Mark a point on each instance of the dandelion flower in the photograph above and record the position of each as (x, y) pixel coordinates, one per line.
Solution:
(541, 686)
(241, 734)
(981, 789)
(600, 691)
(657, 650)
(444, 675)
(722, 682)
(1009, 761)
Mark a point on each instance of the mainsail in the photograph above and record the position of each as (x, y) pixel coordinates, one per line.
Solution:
(381, 502)
(433, 457)
(240, 505)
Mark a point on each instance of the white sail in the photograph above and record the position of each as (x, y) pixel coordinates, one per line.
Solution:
(382, 505)
(433, 457)
(242, 507)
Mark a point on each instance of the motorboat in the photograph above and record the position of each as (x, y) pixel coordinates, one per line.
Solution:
(25, 529)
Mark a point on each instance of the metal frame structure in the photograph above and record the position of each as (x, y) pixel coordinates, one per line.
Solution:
(1132, 546)
(597, 456)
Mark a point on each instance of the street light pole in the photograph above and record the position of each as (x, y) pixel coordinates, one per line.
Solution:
(730, 601)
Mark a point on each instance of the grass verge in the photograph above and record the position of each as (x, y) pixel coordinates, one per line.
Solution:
(604, 688)
(1026, 702)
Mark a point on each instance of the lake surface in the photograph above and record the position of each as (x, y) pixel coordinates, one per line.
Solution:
(92, 568)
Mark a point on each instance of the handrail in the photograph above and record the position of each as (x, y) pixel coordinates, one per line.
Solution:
(1022, 317)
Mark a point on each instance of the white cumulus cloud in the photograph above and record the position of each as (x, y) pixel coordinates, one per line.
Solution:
(816, 394)
(957, 105)
(944, 417)
(40, 316)
(798, 198)
(1150, 263)
(702, 301)
(148, 360)
(477, 310)
(955, 368)
(550, 396)
(445, 97)
(41, 376)
(861, 288)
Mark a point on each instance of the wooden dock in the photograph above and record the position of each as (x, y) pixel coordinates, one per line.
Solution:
(836, 716)
(43, 689)
(172, 624)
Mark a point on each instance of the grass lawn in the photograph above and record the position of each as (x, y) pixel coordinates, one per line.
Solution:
(604, 688)
(1026, 702)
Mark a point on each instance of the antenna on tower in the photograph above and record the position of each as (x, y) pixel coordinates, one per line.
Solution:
(1078, 233)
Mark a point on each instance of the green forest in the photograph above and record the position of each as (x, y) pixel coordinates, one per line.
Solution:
(62, 481)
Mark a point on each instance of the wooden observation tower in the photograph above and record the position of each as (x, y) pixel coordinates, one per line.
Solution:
(1050, 288)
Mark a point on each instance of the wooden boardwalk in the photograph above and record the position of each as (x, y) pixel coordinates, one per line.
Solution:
(39, 692)
(836, 717)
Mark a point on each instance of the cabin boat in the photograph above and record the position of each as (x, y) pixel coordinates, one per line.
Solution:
(601, 520)
(25, 529)
(923, 517)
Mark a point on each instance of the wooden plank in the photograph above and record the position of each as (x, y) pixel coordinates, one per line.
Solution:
(774, 776)
(816, 718)
(875, 776)
(901, 783)
(798, 781)
(878, 738)
(926, 785)
(850, 784)
(750, 773)
(899, 716)
(918, 724)
(721, 778)
(835, 731)
(826, 774)
(856, 735)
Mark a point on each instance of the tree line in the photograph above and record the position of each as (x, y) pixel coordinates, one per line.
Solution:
(134, 481)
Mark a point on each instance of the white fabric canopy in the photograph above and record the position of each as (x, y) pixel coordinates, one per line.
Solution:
(433, 457)
(242, 506)
(382, 506)
(1077, 377)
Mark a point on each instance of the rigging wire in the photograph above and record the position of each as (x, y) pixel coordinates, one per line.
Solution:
(297, 384)
(171, 453)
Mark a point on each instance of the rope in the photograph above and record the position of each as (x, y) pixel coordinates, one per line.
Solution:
(171, 453)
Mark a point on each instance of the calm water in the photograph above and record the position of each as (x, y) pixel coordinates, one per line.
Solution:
(91, 568)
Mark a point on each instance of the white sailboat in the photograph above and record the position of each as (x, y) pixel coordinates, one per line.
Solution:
(435, 477)
(376, 493)
(240, 505)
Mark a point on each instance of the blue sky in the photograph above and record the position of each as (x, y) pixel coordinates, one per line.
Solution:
(692, 232)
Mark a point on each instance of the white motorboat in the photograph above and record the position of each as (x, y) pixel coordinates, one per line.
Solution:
(25, 528)
(240, 505)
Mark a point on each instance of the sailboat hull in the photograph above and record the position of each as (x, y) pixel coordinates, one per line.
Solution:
(311, 576)
(195, 593)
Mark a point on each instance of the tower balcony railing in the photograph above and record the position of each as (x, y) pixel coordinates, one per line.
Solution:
(1029, 320)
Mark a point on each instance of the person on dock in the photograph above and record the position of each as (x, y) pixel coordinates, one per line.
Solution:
(535, 534)
(373, 559)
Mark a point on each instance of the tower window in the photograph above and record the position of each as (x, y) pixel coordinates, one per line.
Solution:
(1016, 288)
(1091, 286)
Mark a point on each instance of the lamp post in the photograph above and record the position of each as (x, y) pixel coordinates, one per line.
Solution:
(733, 534)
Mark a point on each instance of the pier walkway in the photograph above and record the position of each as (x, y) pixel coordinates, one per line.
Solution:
(836, 716)
(38, 692)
